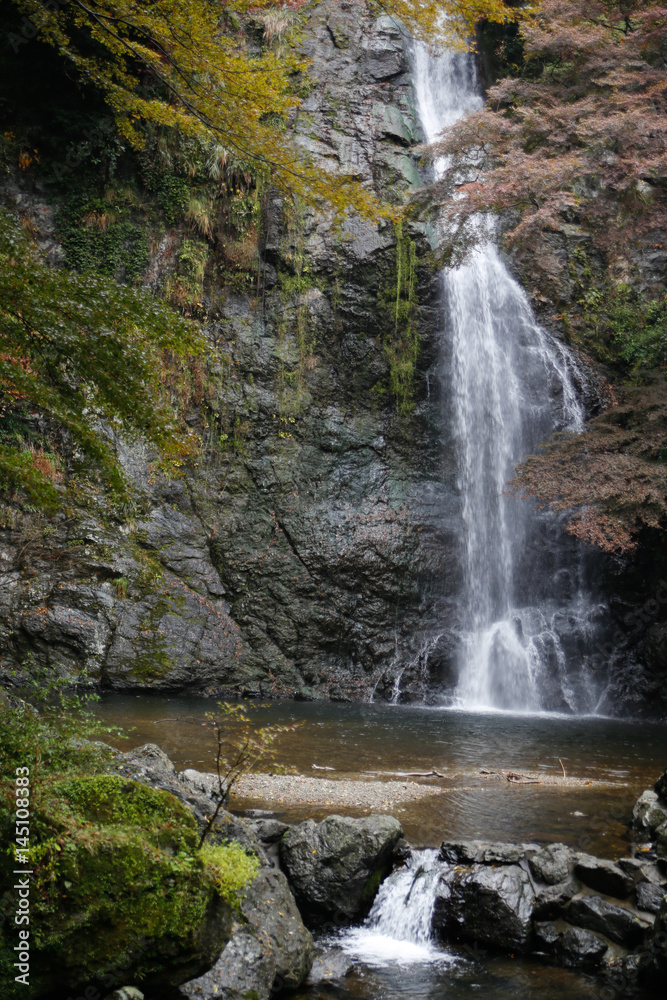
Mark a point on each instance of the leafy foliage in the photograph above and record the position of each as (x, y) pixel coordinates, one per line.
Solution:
(240, 747)
(580, 136)
(232, 869)
(186, 65)
(611, 479)
(81, 349)
(623, 327)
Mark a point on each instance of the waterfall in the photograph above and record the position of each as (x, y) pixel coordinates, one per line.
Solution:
(510, 385)
(398, 928)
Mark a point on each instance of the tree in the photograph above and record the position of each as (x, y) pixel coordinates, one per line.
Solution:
(611, 480)
(240, 747)
(81, 351)
(187, 65)
(580, 136)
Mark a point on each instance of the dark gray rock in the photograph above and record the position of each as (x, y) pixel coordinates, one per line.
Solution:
(246, 968)
(604, 876)
(660, 787)
(270, 949)
(631, 866)
(580, 947)
(504, 854)
(615, 922)
(490, 906)
(649, 813)
(552, 901)
(270, 909)
(335, 867)
(547, 936)
(268, 831)
(456, 852)
(552, 864)
(661, 841)
(489, 852)
(650, 896)
(330, 966)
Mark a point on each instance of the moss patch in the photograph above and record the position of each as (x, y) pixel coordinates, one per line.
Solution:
(232, 869)
(119, 890)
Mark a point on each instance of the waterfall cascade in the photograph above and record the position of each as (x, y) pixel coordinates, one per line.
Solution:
(398, 928)
(510, 385)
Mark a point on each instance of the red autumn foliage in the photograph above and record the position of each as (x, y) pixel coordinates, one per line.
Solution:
(582, 136)
(612, 479)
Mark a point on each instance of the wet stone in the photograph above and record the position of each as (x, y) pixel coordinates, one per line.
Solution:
(615, 922)
(330, 966)
(650, 896)
(552, 901)
(551, 864)
(546, 936)
(580, 947)
(488, 906)
(660, 786)
(603, 876)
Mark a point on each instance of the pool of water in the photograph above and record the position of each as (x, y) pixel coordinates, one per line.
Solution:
(380, 741)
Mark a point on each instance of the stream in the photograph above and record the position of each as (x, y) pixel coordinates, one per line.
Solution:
(384, 741)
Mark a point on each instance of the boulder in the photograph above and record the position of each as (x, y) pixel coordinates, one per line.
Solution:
(330, 966)
(661, 841)
(603, 876)
(569, 945)
(652, 960)
(270, 909)
(579, 947)
(335, 867)
(552, 901)
(459, 852)
(650, 896)
(268, 830)
(615, 922)
(244, 969)
(649, 813)
(141, 906)
(547, 936)
(270, 949)
(661, 786)
(490, 906)
(552, 864)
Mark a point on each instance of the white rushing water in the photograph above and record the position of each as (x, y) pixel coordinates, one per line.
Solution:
(510, 386)
(398, 928)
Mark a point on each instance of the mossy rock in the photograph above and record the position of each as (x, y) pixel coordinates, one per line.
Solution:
(120, 893)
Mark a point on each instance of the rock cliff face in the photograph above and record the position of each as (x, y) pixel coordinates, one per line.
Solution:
(313, 548)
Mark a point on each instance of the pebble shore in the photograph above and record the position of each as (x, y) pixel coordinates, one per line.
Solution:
(294, 789)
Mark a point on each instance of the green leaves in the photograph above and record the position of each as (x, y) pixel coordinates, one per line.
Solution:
(83, 351)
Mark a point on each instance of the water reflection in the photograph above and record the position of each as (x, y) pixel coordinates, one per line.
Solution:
(376, 741)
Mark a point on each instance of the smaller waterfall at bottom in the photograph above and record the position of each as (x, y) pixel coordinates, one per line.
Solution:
(398, 928)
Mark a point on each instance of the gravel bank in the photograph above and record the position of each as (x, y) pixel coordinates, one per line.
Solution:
(293, 789)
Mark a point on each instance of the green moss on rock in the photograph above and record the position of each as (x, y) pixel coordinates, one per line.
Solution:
(119, 890)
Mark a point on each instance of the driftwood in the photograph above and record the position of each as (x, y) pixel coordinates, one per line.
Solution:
(513, 777)
(422, 774)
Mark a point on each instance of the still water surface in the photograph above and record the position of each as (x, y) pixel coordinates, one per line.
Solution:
(380, 741)
(384, 741)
